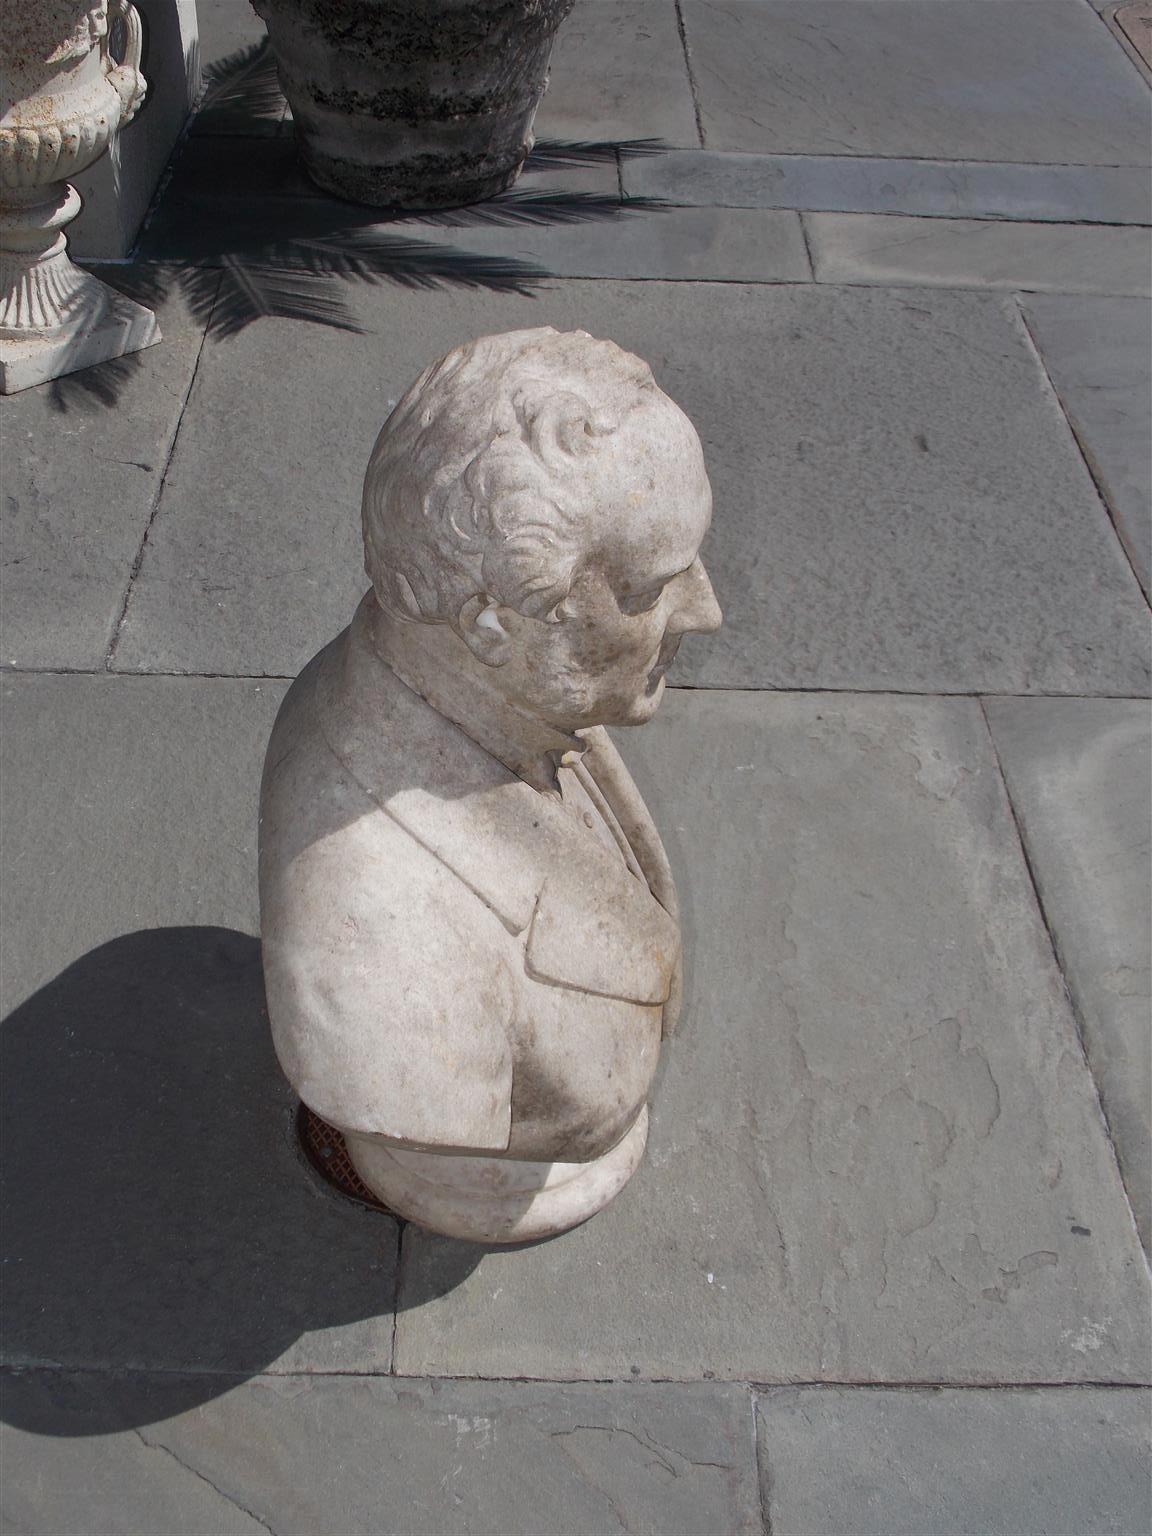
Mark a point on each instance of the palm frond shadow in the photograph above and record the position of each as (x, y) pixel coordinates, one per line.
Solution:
(564, 154)
(301, 280)
(327, 245)
(242, 87)
(94, 388)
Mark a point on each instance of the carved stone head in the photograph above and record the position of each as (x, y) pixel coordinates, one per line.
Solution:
(537, 493)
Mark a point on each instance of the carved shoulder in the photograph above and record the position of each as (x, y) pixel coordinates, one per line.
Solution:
(390, 987)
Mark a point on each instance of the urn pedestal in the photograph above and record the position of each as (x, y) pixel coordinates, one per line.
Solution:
(62, 97)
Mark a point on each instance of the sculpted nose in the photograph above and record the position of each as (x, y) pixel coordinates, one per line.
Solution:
(697, 612)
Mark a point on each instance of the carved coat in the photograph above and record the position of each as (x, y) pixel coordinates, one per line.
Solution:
(453, 959)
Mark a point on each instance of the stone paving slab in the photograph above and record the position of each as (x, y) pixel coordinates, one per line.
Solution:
(1131, 25)
(618, 72)
(369, 1457)
(220, 201)
(978, 253)
(1080, 775)
(610, 239)
(941, 1463)
(157, 1211)
(80, 482)
(927, 188)
(225, 27)
(837, 427)
(1021, 80)
(875, 1136)
(728, 245)
(1097, 353)
(581, 229)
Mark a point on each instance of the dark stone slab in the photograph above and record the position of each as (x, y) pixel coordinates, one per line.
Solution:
(838, 1462)
(157, 1211)
(899, 501)
(376, 1457)
(84, 458)
(927, 188)
(1080, 775)
(1020, 80)
(892, 251)
(875, 1140)
(1097, 352)
(618, 72)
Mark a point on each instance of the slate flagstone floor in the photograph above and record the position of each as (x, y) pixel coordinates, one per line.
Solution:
(885, 1269)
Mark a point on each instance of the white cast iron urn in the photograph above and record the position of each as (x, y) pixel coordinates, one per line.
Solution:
(62, 97)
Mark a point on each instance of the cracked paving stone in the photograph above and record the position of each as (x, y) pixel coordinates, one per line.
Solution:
(84, 459)
(875, 1136)
(373, 1456)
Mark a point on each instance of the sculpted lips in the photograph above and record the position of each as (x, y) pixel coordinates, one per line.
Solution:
(667, 652)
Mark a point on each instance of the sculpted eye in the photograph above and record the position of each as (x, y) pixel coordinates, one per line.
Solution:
(642, 602)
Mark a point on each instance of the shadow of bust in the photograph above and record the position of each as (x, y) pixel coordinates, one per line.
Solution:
(159, 1214)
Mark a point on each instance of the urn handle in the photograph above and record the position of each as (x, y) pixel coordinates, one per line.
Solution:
(125, 76)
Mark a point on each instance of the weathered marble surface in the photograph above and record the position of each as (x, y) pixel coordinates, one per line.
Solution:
(470, 931)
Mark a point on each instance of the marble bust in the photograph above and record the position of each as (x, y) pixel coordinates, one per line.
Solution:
(470, 930)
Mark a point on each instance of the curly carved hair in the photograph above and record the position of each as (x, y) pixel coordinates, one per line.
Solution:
(473, 485)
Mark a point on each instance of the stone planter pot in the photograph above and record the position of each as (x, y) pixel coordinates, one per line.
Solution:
(62, 97)
(413, 103)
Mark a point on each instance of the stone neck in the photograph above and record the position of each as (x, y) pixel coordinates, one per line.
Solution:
(434, 663)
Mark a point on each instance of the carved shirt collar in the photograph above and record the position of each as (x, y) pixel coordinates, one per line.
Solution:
(435, 664)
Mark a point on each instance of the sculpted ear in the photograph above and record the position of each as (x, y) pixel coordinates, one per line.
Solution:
(481, 624)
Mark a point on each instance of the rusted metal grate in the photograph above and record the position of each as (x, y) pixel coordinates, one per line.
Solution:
(325, 1149)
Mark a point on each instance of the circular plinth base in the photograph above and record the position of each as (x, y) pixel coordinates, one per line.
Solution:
(495, 1199)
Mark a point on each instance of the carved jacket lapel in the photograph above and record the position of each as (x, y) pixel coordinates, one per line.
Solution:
(588, 922)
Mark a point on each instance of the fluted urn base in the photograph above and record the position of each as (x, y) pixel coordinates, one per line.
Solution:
(55, 318)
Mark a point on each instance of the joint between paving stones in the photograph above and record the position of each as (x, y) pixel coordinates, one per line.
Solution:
(760, 1463)
(1108, 21)
(401, 1225)
(686, 48)
(806, 236)
(1081, 450)
(1069, 992)
(110, 654)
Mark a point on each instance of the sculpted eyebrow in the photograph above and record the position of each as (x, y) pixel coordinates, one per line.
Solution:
(662, 581)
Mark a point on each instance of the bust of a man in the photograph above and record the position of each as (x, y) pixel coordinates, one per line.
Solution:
(470, 929)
